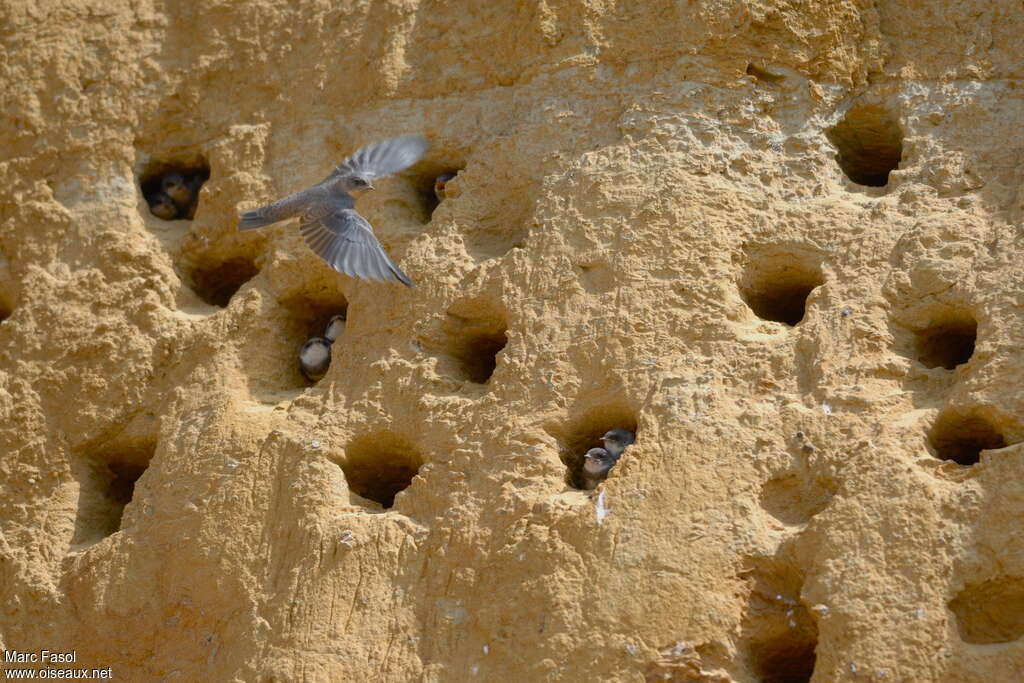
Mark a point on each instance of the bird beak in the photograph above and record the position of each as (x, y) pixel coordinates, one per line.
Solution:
(370, 187)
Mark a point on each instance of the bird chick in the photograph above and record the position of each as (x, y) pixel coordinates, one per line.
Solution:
(597, 462)
(162, 206)
(327, 217)
(439, 184)
(184, 190)
(616, 440)
(335, 327)
(315, 358)
(194, 184)
(174, 186)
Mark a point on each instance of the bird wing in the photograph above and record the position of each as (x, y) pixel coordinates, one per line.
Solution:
(345, 240)
(292, 205)
(383, 158)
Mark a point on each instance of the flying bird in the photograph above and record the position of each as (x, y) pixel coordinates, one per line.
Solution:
(327, 217)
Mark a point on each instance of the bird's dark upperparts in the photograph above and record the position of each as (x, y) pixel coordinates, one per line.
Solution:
(327, 217)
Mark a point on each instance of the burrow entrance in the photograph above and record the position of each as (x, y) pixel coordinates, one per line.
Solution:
(991, 611)
(469, 339)
(776, 284)
(869, 144)
(432, 181)
(380, 466)
(585, 432)
(216, 280)
(107, 481)
(961, 437)
(171, 186)
(307, 317)
(780, 636)
(948, 342)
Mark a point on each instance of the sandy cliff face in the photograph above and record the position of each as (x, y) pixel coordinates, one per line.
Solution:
(781, 241)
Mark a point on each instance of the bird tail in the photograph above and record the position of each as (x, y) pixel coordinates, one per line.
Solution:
(250, 220)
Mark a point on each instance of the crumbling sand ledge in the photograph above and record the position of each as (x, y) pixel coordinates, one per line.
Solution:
(637, 181)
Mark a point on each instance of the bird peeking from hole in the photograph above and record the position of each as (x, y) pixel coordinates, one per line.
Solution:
(439, 186)
(598, 462)
(178, 195)
(315, 354)
(327, 217)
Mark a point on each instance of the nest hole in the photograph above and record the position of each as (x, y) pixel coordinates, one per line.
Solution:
(380, 466)
(215, 281)
(869, 144)
(585, 433)
(432, 182)
(948, 343)
(106, 486)
(472, 335)
(764, 75)
(962, 437)
(780, 634)
(991, 611)
(776, 288)
(794, 500)
(785, 660)
(6, 301)
(171, 186)
(308, 317)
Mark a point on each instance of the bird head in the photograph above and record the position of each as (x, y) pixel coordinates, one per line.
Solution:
(598, 460)
(335, 326)
(357, 184)
(439, 184)
(172, 182)
(616, 440)
(163, 207)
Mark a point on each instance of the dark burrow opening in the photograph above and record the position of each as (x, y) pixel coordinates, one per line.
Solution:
(6, 303)
(961, 437)
(779, 632)
(991, 611)
(777, 291)
(947, 343)
(764, 75)
(432, 182)
(473, 333)
(380, 466)
(106, 486)
(477, 353)
(171, 186)
(270, 354)
(216, 281)
(585, 433)
(869, 144)
(309, 317)
(784, 660)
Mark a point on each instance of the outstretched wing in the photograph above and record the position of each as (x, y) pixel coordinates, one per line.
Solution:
(345, 240)
(383, 158)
